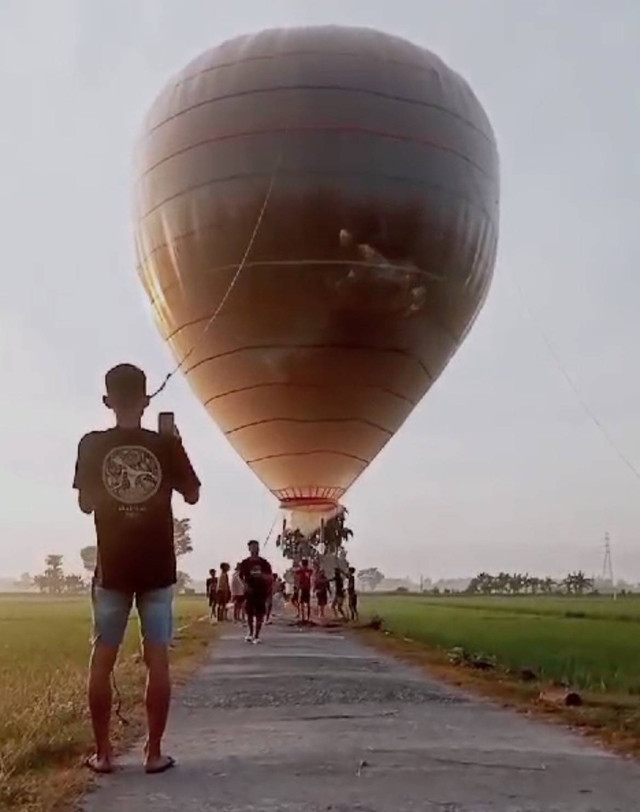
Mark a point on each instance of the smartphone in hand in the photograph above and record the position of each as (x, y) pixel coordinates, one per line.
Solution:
(167, 424)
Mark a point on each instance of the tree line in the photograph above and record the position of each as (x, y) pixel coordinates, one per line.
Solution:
(54, 581)
(504, 583)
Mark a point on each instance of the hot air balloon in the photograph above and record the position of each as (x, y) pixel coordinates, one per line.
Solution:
(316, 226)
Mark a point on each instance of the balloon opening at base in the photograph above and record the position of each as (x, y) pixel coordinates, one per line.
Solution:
(308, 513)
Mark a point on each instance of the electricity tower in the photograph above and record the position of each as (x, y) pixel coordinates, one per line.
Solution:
(607, 564)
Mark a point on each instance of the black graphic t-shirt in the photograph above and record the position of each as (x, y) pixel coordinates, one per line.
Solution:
(128, 475)
(253, 572)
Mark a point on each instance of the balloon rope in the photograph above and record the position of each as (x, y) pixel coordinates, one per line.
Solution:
(273, 524)
(573, 386)
(235, 278)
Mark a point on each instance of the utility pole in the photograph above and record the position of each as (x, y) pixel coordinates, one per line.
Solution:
(607, 565)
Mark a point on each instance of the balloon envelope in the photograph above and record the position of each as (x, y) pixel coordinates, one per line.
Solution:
(362, 174)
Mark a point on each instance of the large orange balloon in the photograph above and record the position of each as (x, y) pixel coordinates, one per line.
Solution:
(377, 171)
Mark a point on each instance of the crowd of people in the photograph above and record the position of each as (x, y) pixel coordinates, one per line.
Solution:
(253, 588)
(250, 590)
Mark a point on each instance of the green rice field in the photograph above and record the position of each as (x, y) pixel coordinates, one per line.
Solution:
(591, 643)
(44, 726)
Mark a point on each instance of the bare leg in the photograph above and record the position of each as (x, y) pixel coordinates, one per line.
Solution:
(103, 659)
(158, 697)
(259, 622)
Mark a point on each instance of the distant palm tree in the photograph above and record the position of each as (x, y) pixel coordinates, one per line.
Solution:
(484, 583)
(294, 544)
(516, 583)
(548, 585)
(336, 533)
(577, 583)
(534, 584)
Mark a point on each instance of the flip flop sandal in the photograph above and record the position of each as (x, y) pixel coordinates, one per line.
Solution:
(168, 764)
(90, 763)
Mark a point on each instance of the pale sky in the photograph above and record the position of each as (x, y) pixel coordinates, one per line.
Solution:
(498, 467)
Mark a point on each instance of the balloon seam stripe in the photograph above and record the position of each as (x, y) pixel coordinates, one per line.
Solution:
(341, 387)
(353, 129)
(193, 322)
(309, 420)
(234, 278)
(409, 356)
(330, 88)
(268, 457)
(286, 54)
(340, 173)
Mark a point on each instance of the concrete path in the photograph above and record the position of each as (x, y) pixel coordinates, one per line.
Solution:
(314, 721)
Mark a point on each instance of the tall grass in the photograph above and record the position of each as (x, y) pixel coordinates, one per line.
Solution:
(592, 644)
(44, 650)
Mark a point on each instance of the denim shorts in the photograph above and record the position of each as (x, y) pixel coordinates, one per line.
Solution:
(111, 610)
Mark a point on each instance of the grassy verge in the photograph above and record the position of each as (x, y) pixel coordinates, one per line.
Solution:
(44, 725)
(592, 649)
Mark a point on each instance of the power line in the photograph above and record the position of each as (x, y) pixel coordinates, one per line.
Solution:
(572, 385)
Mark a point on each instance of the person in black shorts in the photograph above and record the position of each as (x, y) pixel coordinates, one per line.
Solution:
(257, 575)
(322, 591)
(338, 595)
(305, 576)
(295, 595)
(352, 594)
(212, 589)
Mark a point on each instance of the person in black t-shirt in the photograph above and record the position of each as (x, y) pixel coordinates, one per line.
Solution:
(352, 594)
(125, 476)
(305, 578)
(256, 573)
(322, 590)
(211, 587)
(338, 595)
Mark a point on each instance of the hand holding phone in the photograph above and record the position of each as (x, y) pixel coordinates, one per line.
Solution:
(167, 425)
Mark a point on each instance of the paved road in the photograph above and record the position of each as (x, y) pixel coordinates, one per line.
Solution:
(314, 721)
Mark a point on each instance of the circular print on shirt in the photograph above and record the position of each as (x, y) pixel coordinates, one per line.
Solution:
(131, 474)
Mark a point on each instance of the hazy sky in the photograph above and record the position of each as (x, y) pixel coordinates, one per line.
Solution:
(498, 468)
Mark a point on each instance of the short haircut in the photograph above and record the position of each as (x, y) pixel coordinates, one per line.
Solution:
(126, 383)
